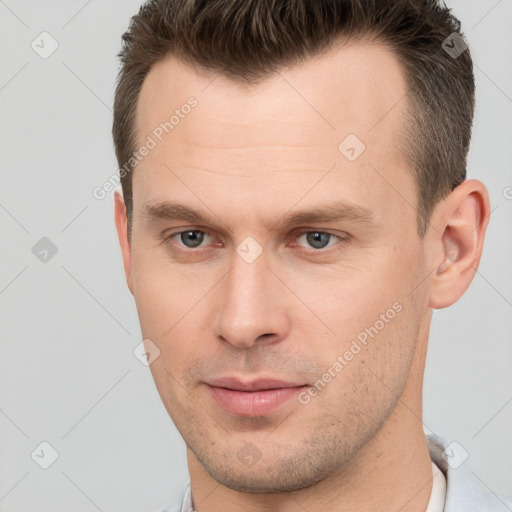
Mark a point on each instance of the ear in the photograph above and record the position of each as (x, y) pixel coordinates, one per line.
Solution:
(460, 224)
(122, 233)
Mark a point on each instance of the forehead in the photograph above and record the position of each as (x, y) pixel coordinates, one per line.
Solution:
(351, 87)
(291, 123)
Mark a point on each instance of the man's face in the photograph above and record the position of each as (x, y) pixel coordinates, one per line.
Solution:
(250, 294)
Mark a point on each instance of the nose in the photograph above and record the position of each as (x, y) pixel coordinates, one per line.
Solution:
(252, 305)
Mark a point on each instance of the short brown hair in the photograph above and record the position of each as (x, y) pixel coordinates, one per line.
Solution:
(247, 40)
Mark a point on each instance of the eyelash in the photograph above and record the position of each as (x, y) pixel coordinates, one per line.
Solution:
(341, 239)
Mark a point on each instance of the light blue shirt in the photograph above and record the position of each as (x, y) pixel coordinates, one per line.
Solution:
(465, 492)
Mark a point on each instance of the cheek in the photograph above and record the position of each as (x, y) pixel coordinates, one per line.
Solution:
(355, 299)
(376, 321)
(171, 308)
(389, 315)
(161, 292)
(371, 367)
(165, 307)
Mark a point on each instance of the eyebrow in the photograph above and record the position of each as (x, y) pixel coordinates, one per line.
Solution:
(333, 211)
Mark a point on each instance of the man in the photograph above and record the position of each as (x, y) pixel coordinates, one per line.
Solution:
(294, 206)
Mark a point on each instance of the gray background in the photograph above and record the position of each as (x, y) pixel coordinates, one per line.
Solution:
(68, 375)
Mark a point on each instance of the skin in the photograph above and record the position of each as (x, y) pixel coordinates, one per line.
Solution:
(248, 156)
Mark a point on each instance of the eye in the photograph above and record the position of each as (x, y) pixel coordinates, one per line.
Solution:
(316, 240)
(191, 238)
(319, 239)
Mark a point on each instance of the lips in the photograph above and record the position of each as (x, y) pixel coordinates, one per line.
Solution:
(252, 398)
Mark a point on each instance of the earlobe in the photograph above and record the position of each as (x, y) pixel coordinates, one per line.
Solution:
(461, 225)
(122, 233)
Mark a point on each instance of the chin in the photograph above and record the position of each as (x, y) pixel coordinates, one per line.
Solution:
(280, 476)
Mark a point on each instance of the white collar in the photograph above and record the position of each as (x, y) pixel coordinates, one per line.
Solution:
(438, 494)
